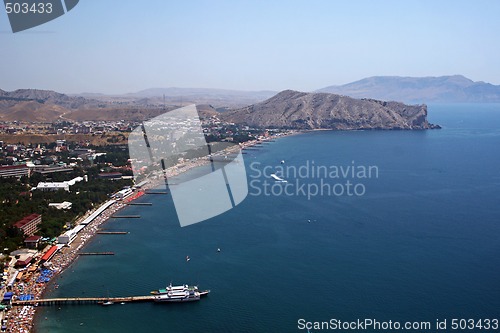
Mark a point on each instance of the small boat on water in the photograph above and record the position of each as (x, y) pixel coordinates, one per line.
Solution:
(107, 303)
(278, 179)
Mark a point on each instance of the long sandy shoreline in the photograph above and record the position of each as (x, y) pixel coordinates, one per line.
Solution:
(21, 319)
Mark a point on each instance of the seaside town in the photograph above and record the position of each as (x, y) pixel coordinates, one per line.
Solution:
(80, 185)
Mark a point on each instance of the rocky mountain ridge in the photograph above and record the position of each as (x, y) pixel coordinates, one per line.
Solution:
(304, 111)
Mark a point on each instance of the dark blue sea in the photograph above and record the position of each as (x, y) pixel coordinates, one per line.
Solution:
(421, 243)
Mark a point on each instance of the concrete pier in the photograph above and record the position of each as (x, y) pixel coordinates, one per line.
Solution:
(82, 300)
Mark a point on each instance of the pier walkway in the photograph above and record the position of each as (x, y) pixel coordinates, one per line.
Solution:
(83, 300)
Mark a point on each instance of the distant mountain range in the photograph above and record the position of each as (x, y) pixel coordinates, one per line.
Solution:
(33, 105)
(202, 92)
(441, 89)
(46, 106)
(300, 110)
(43, 96)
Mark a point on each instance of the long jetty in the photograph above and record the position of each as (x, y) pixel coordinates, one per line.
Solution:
(96, 253)
(104, 232)
(83, 300)
(139, 204)
(90, 300)
(156, 192)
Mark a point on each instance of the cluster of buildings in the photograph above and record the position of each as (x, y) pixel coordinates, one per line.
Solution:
(92, 127)
(18, 160)
(45, 158)
(218, 130)
(27, 169)
(68, 127)
(29, 225)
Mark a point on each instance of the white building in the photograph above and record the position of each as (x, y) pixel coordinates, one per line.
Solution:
(74, 180)
(123, 193)
(61, 205)
(54, 186)
(68, 237)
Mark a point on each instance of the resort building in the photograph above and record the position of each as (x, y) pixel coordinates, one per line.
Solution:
(61, 205)
(123, 193)
(110, 175)
(69, 236)
(49, 169)
(23, 262)
(32, 242)
(49, 254)
(14, 171)
(55, 186)
(29, 224)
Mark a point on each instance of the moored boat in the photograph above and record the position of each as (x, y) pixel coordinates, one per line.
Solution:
(182, 293)
(170, 288)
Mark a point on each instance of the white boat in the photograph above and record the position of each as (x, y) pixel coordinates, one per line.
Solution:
(278, 179)
(182, 293)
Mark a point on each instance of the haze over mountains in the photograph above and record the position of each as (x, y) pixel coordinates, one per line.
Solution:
(216, 97)
(442, 89)
(47, 106)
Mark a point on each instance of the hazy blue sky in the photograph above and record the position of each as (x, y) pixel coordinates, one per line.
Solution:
(119, 46)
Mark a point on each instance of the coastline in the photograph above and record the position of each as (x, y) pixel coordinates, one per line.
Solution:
(68, 255)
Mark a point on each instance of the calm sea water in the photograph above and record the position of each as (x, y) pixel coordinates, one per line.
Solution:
(422, 243)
